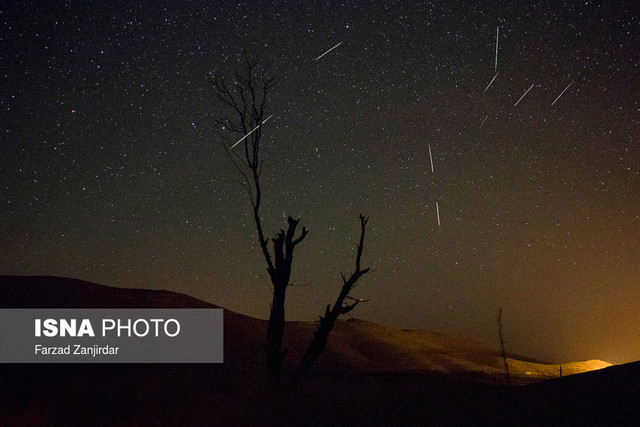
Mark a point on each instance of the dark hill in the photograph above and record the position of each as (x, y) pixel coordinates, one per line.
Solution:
(608, 396)
(62, 292)
(370, 375)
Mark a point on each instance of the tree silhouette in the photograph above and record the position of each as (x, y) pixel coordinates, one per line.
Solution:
(245, 100)
(504, 354)
(319, 342)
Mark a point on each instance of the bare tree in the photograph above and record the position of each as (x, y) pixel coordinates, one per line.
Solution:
(246, 101)
(504, 354)
(320, 336)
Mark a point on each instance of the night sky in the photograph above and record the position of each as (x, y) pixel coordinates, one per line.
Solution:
(112, 170)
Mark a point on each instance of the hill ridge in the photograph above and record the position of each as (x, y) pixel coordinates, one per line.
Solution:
(354, 344)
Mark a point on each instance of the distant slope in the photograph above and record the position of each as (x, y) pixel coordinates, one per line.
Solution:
(354, 345)
(605, 397)
(370, 375)
(62, 292)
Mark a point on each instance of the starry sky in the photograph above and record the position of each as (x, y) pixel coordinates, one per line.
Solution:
(112, 170)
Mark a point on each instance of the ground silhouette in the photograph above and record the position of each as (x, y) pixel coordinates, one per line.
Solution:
(370, 375)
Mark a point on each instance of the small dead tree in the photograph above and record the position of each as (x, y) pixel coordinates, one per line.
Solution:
(246, 101)
(504, 354)
(320, 336)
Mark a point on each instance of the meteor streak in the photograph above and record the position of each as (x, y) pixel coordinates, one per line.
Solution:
(430, 158)
(328, 51)
(438, 213)
(252, 130)
(490, 83)
(565, 89)
(485, 119)
(497, 35)
(523, 95)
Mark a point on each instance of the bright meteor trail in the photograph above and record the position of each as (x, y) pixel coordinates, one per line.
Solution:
(565, 89)
(490, 83)
(252, 130)
(523, 95)
(497, 35)
(430, 158)
(328, 51)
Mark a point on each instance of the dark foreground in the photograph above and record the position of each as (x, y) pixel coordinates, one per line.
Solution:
(206, 394)
(234, 393)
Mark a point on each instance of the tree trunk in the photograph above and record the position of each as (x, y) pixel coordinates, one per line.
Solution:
(280, 272)
(275, 332)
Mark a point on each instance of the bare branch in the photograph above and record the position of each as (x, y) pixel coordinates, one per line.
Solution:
(347, 308)
(357, 299)
(363, 227)
(320, 337)
(301, 238)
